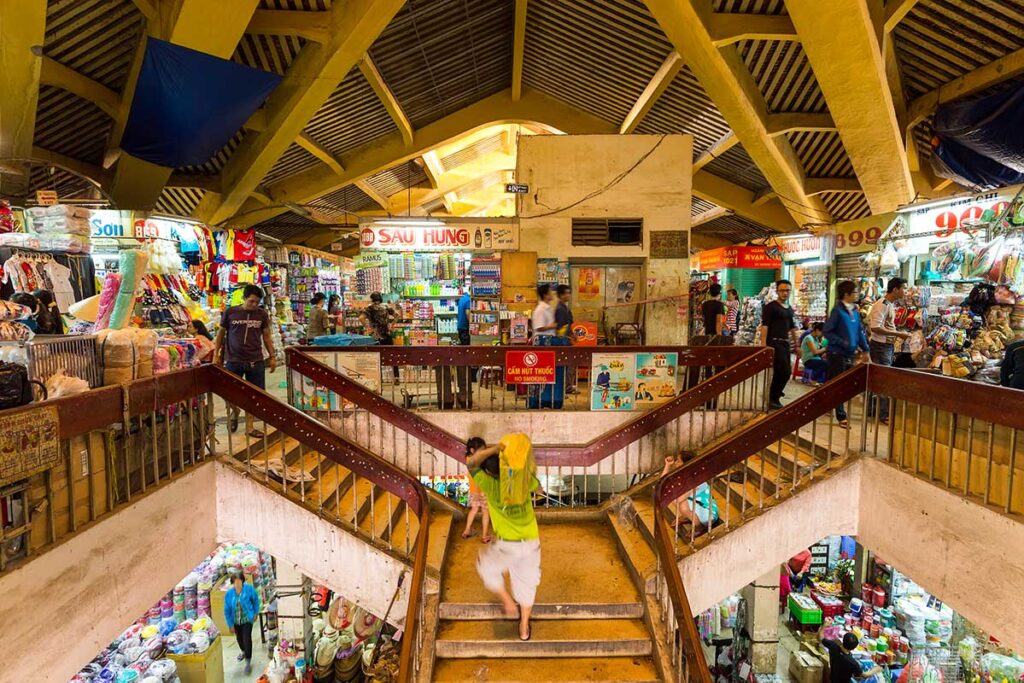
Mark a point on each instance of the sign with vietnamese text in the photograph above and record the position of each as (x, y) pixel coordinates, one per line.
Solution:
(804, 248)
(961, 214)
(29, 443)
(465, 237)
(736, 257)
(108, 223)
(46, 197)
(516, 188)
(530, 367)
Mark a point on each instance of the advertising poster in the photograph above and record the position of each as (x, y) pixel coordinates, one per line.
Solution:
(588, 287)
(363, 368)
(613, 376)
(655, 378)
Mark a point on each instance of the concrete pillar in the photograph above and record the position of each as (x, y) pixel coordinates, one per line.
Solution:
(762, 597)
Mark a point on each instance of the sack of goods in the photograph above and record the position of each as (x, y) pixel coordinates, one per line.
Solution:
(517, 469)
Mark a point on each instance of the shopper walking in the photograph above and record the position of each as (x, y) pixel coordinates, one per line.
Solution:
(244, 333)
(846, 338)
(543, 318)
(319, 322)
(464, 373)
(563, 314)
(477, 498)
(516, 551)
(713, 312)
(732, 313)
(241, 605)
(378, 318)
(882, 323)
(776, 332)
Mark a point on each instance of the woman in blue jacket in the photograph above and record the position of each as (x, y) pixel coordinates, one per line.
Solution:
(845, 336)
(241, 605)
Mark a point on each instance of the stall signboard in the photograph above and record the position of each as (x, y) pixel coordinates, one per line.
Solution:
(530, 367)
(960, 213)
(46, 197)
(109, 223)
(149, 228)
(736, 257)
(483, 237)
(371, 259)
(29, 443)
(360, 367)
(861, 235)
(804, 248)
(613, 376)
(655, 378)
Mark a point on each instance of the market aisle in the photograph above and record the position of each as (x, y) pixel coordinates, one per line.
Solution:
(233, 669)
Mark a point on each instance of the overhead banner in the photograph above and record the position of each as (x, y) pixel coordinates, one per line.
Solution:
(459, 237)
(805, 248)
(959, 214)
(736, 257)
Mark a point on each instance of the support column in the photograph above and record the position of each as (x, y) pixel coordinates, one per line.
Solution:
(762, 598)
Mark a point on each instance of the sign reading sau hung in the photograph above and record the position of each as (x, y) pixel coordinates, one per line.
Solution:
(488, 237)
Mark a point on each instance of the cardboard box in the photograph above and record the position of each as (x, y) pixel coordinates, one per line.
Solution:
(805, 668)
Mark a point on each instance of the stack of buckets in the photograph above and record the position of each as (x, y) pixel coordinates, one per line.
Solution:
(881, 637)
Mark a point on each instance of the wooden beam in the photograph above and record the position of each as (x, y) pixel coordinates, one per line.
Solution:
(709, 215)
(729, 83)
(91, 171)
(23, 27)
(386, 97)
(59, 76)
(792, 122)
(661, 80)
(435, 171)
(210, 183)
(993, 73)
(371, 192)
(895, 10)
(310, 145)
(311, 79)
(211, 27)
(147, 8)
(841, 40)
(314, 26)
(763, 196)
(720, 147)
(113, 151)
(741, 202)
(726, 28)
(813, 186)
(518, 49)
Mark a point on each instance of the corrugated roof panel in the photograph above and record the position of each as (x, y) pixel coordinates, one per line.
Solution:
(268, 53)
(846, 207)
(69, 125)
(598, 57)
(736, 166)
(940, 40)
(67, 184)
(783, 73)
(179, 201)
(348, 198)
(734, 228)
(301, 5)
(437, 56)
(96, 38)
(473, 151)
(294, 160)
(699, 206)
(685, 107)
(351, 117)
(822, 154)
(398, 179)
(750, 6)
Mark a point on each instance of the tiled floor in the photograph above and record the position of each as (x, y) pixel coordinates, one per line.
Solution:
(233, 669)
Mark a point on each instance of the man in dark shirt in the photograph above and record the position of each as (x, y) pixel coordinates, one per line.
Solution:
(843, 668)
(244, 332)
(775, 332)
(563, 314)
(713, 311)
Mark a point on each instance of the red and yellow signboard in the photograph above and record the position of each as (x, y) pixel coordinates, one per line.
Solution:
(530, 367)
(736, 257)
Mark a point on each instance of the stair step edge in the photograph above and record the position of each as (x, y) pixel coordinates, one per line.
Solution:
(498, 649)
(450, 611)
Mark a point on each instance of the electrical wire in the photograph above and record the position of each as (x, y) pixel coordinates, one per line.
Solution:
(612, 183)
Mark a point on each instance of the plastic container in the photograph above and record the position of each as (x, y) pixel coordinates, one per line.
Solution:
(866, 591)
(878, 597)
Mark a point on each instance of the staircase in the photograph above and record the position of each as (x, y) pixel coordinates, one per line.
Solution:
(589, 623)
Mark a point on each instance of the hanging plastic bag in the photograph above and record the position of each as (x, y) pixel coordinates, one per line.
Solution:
(890, 258)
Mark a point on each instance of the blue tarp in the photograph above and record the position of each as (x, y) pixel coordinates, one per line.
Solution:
(980, 142)
(189, 104)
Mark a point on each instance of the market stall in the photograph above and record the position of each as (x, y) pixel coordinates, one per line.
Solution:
(807, 263)
(747, 269)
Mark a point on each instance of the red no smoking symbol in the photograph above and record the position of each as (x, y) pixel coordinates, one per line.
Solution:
(530, 360)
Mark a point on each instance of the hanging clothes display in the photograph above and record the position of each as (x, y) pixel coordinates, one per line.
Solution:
(71, 278)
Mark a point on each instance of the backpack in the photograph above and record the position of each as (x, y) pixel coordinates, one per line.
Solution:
(518, 469)
(15, 386)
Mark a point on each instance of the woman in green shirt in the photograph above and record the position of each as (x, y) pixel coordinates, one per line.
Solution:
(813, 348)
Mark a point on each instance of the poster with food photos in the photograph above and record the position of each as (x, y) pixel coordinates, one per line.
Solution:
(656, 374)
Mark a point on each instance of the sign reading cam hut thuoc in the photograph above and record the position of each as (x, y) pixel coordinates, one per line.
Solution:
(530, 367)
(413, 238)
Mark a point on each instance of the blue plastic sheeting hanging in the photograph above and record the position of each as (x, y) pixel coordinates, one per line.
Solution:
(978, 143)
(188, 104)
(966, 167)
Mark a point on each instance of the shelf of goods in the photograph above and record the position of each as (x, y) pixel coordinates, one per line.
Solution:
(811, 292)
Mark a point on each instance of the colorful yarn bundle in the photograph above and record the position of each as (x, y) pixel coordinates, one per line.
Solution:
(108, 294)
(132, 267)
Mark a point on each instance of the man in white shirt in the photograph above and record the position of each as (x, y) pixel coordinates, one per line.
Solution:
(543, 318)
(882, 326)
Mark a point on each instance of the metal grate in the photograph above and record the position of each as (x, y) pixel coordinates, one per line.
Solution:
(822, 154)
(70, 125)
(348, 198)
(685, 107)
(437, 56)
(603, 232)
(783, 74)
(351, 117)
(597, 57)
(96, 38)
(736, 166)
(699, 206)
(300, 5)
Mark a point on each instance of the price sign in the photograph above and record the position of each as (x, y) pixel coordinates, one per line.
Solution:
(46, 197)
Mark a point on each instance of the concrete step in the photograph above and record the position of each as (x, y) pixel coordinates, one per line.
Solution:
(441, 523)
(582, 638)
(491, 611)
(578, 670)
